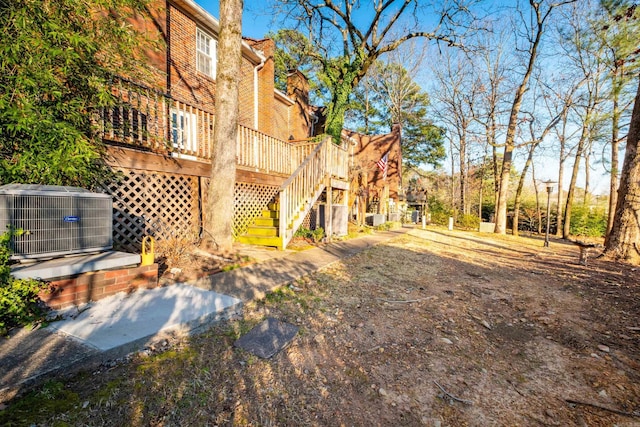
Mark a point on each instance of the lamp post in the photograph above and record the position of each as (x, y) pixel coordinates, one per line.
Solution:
(549, 185)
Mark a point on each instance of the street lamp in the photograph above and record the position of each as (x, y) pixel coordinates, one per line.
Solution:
(549, 185)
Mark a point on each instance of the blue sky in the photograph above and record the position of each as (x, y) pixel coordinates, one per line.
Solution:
(256, 20)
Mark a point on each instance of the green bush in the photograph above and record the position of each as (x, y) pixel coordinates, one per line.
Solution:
(315, 235)
(19, 301)
(588, 222)
(469, 221)
(439, 212)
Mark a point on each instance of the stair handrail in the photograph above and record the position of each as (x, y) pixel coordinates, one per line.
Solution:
(298, 193)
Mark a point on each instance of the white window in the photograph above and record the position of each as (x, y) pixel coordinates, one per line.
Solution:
(205, 53)
(184, 131)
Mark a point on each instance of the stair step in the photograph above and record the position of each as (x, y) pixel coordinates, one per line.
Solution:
(257, 230)
(270, 214)
(273, 206)
(261, 240)
(266, 222)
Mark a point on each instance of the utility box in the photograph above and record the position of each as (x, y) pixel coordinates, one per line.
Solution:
(375, 220)
(394, 217)
(57, 220)
(339, 221)
(487, 227)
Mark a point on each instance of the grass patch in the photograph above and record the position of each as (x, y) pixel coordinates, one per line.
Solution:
(52, 398)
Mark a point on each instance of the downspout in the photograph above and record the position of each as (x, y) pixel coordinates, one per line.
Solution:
(314, 120)
(255, 92)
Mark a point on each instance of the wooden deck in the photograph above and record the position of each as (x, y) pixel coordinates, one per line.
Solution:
(163, 147)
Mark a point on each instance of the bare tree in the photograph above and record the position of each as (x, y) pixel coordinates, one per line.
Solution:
(535, 140)
(489, 109)
(536, 28)
(219, 210)
(349, 36)
(563, 136)
(455, 95)
(588, 123)
(617, 31)
(584, 57)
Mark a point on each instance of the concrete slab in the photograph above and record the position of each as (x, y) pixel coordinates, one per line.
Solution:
(267, 338)
(128, 320)
(72, 265)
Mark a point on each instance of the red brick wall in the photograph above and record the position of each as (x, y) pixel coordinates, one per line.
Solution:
(246, 95)
(281, 127)
(187, 84)
(298, 91)
(178, 58)
(99, 284)
(266, 86)
(369, 149)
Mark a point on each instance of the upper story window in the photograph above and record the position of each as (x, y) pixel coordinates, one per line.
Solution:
(205, 53)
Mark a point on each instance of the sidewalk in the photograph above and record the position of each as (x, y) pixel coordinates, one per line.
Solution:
(114, 327)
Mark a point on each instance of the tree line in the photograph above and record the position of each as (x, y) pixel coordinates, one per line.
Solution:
(534, 80)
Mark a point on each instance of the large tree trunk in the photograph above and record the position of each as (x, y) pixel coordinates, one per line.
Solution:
(336, 110)
(615, 144)
(535, 187)
(219, 211)
(566, 226)
(559, 218)
(463, 173)
(505, 173)
(495, 165)
(453, 180)
(516, 206)
(587, 176)
(624, 239)
(342, 87)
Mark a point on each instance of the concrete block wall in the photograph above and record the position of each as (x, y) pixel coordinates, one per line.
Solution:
(93, 286)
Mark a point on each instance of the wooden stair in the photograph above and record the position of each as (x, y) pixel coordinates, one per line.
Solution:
(278, 223)
(264, 230)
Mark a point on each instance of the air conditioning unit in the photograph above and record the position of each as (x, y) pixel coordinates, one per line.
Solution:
(57, 220)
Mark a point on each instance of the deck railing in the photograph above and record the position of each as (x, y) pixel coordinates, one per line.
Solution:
(152, 120)
(147, 118)
(338, 161)
(264, 153)
(298, 193)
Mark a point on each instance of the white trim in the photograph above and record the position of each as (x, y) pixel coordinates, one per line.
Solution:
(184, 136)
(282, 97)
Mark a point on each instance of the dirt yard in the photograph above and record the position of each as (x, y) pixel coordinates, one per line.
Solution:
(433, 328)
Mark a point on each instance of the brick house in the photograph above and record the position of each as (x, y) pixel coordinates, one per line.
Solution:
(373, 190)
(159, 138)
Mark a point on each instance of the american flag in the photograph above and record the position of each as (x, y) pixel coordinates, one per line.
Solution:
(383, 164)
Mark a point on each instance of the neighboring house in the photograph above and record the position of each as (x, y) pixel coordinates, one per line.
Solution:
(373, 189)
(160, 137)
